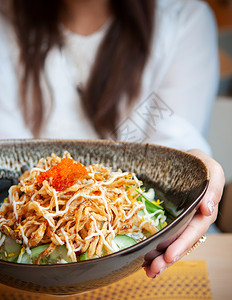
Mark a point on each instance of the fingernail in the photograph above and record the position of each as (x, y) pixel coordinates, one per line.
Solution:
(154, 276)
(162, 270)
(211, 206)
(176, 258)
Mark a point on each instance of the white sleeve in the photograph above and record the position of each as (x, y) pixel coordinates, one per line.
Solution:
(190, 84)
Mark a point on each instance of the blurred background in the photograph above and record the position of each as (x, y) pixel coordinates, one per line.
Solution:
(220, 136)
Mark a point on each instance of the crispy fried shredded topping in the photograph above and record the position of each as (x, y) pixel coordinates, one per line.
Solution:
(62, 202)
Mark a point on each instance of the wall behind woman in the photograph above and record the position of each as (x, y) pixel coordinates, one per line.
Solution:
(219, 136)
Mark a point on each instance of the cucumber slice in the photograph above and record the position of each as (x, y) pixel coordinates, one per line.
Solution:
(124, 241)
(10, 249)
(59, 255)
(84, 256)
(35, 252)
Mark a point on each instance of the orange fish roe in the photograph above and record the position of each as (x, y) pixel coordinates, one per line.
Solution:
(64, 174)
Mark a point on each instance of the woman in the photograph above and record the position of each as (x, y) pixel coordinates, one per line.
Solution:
(137, 71)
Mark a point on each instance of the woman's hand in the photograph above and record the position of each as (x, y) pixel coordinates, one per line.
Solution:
(200, 223)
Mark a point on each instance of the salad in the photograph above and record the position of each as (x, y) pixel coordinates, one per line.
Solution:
(62, 211)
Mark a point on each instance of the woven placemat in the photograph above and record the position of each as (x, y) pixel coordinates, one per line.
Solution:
(185, 280)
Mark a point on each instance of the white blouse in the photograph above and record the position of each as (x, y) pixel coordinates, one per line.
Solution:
(179, 83)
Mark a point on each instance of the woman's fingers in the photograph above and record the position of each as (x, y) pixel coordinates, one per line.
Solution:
(194, 231)
(216, 183)
(200, 223)
(157, 268)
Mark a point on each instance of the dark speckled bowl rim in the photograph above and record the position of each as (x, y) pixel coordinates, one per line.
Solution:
(193, 205)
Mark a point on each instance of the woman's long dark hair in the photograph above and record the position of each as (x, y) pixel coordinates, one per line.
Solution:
(118, 67)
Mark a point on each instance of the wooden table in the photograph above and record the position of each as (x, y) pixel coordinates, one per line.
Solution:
(217, 252)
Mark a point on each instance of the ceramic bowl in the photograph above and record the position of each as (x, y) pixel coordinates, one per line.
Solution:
(179, 178)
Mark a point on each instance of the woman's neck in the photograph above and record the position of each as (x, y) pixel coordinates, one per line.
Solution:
(85, 17)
